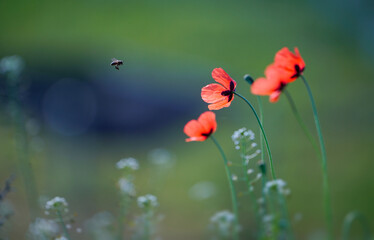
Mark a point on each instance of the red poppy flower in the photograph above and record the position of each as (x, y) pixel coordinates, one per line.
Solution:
(219, 95)
(290, 64)
(287, 67)
(271, 85)
(202, 128)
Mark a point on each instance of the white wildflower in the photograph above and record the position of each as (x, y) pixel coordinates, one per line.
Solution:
(128, 163)
(43, 228)
(234, 177)
(148, 200)
(242, 134)
(57, 203)
(268, 218)
(277, 184)
(224, 222)
(126, 187)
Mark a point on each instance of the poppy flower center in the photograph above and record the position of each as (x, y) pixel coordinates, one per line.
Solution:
(282, 86)
(207, 134)
(298, 71)
(230, 92)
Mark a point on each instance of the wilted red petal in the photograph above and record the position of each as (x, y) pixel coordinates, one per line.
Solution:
(223, 78)
(212, 93)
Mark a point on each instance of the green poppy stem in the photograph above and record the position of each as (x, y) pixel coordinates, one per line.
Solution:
(262, 121)
(301, 123)
(263, 134)
(349, 219)
(232, 188)
(326, 191)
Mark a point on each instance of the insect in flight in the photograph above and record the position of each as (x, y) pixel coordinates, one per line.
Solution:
(116, 63)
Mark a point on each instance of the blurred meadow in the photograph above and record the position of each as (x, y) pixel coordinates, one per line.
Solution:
(82, 115)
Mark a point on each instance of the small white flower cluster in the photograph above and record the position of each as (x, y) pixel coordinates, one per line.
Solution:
(148, 200)
(242, 134)
(126, 187)
(57, 203)
(278, 185)
(128, 163)
(224, 222)
(42, 228)
(251, 156)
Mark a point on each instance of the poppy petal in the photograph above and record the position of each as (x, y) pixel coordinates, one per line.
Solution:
(277, 73)
(274, 96)
(208, 121)
(288, 61)
(193, 128)
(219, 105)
(263, 86)
(199, 139)
(223, 78)
(212, 93)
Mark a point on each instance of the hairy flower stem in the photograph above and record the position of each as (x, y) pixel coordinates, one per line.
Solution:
(326, 191)
(232, 189)
(263, 134)
(63, 225)
(349, 219)
(301, 123)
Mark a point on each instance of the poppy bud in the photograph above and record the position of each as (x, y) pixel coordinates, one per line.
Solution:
(262, 167)
(248, 78)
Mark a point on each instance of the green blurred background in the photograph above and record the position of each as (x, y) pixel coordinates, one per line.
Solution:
(83, 115)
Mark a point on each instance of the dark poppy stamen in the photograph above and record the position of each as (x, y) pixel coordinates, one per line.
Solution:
(282, 86)
(207, 134)
(298, 71)
(226, 93)
(230, 97)
(232, 86)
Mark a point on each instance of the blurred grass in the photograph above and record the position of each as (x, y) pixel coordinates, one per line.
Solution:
(174, 45)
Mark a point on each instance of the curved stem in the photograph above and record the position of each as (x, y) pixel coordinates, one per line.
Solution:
(63, 225)
(263, 134)
(262, 121)
(301, 123)
(326, 190)
(348, 224)
(232, 189)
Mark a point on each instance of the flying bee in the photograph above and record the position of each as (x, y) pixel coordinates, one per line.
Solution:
(116, 63)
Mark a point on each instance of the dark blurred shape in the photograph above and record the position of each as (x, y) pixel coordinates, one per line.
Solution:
(69, 107)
